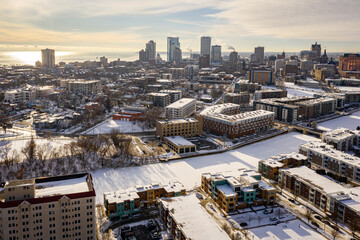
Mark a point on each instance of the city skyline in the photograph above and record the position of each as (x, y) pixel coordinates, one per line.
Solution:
(127, 26)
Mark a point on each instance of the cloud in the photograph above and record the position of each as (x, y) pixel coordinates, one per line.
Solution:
(229, 22)
(291, 19)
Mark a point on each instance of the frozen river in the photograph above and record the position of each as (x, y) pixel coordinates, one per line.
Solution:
(189, 170)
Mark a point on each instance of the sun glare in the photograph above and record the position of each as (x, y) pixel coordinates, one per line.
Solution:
(31, 57)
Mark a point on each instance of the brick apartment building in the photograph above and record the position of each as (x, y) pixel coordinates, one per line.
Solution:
(283, 112)
(270, 167)
(342, 139)
(246, 86)
(324, 156)
(330, 197)
(269, 93)
(349, 65)
(226, 120)
(187, 127)
(51, 208)
(242, 98)
(316, 107)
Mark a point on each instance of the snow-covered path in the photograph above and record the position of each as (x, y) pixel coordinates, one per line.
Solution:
(189, 171)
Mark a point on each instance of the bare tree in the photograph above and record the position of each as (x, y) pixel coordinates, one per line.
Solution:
(334, 233)
(30, 151)
(308, 214)
(250, 218)
(279, 212)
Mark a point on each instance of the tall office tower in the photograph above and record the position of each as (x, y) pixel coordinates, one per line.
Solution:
(233, 57)
(172, 44)
(205, 46)
(142, 55)
(150, 50)
(259, 54)
(177, 55)
(216, 54)
(48, 58)
(316, 48)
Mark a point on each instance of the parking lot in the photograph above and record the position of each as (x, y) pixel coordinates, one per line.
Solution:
(143, 230)
(203, 144)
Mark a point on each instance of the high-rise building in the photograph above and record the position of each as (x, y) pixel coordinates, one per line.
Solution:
(61, 207)
(204, 61)
(150, 50)
(48, 58)
(233, 57)
(142, 55)
(104, 61)
(172, 44)
(216, 54)
(349, 65)
(316, 48)
(177, 55)
(205, 46)
(259, 55)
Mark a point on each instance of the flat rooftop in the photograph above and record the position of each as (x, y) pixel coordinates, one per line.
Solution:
(62, 187)
(350, 196)
(194, 221)
(179, 141)
(181, 103)
(178, 121)
(217, 113)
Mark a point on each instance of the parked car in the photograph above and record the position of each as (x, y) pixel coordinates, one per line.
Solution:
(327, 223)
(315, 224)
(155, 234)
(335, 228)
(151, 224)
(318, 217)
(291, 200)
(273, 219)
(243, 224)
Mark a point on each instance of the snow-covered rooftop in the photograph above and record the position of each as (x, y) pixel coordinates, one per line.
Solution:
(62, 187)
(331, 152)
(179, 141)
(182, 103)
(218, 112)
(348, 196)
(193, 219)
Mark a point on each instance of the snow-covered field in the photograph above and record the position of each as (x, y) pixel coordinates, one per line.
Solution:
(109, 125)
(299, 91)
(189, 170)
(350, 122)
(18, 145)
(295, 229)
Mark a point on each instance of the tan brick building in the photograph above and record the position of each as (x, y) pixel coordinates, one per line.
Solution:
(186, 127)
(49, 208)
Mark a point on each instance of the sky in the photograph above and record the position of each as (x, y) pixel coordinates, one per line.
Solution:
(123, 25)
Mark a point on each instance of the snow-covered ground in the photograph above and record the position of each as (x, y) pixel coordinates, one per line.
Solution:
(18, 145)
(260, 218)
(348, 89)
(189, 170)
(296, 90)
(295, 229)
(109, 125)
(350, 122)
